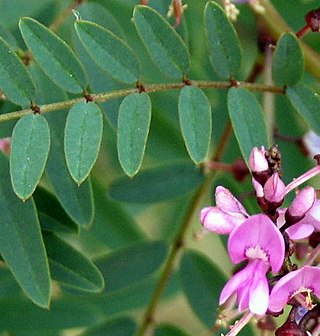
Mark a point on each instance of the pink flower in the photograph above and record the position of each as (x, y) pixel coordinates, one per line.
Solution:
(228, 214)
(258, 241)
(304, 280)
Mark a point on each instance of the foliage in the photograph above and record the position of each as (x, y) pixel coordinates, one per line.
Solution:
(122, 120)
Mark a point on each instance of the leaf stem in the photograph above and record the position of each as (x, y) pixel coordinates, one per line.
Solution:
(102, 97)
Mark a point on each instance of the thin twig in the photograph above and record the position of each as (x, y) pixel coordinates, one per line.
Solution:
(102, 97)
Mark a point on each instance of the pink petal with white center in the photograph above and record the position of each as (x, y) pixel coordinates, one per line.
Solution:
(215, 220)
(257, 233)
(304, 279)
(228, 203)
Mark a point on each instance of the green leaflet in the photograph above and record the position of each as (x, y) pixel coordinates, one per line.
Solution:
(121, 326)
(105, 230)
(169, 330)
(29, 152)
(53, 55)
(8, 37)
(51, 214)
(247, 120)
(136, 296)
(157, 184)
(70, 267)
(307, 104)
(195, 121)
(15, 80)
(21, 243)
(128, 261)
(99, 14)
(287, 61)
(202, 283)
(133, 129)
(77, 201)
(223, 41)
(108, 51)
(82, 139)
(166, 48)
(65, 312)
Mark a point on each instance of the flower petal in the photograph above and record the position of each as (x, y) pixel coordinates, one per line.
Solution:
(228, 203)
(258, 231)
(300, 231)
(215, 220)
(240, 279)
(259, 294)
(304, 278)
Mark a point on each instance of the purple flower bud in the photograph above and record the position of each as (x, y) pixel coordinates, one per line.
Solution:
(274, 189)
(257, 160)
(313, 20)
(215, 220)
(290, 328)
(226, 216)
(301, 204)
(227, 202)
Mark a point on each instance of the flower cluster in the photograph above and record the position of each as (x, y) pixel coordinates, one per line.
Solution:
(265, 242)
(232, 11)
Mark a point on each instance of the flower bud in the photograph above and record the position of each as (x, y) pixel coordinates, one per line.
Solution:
(301, 204)
(215, 220)
(313, 20)
(226, 202)
(290, 328)
(257, 160)
(274, 189)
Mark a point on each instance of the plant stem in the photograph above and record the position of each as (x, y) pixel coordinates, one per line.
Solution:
(176, 247)
(149, 88)
(178, 242)
(64, 15)
(277, 26)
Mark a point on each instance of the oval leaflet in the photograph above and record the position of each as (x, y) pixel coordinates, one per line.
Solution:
(82, 139)
(133, 128)
(30, 147)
